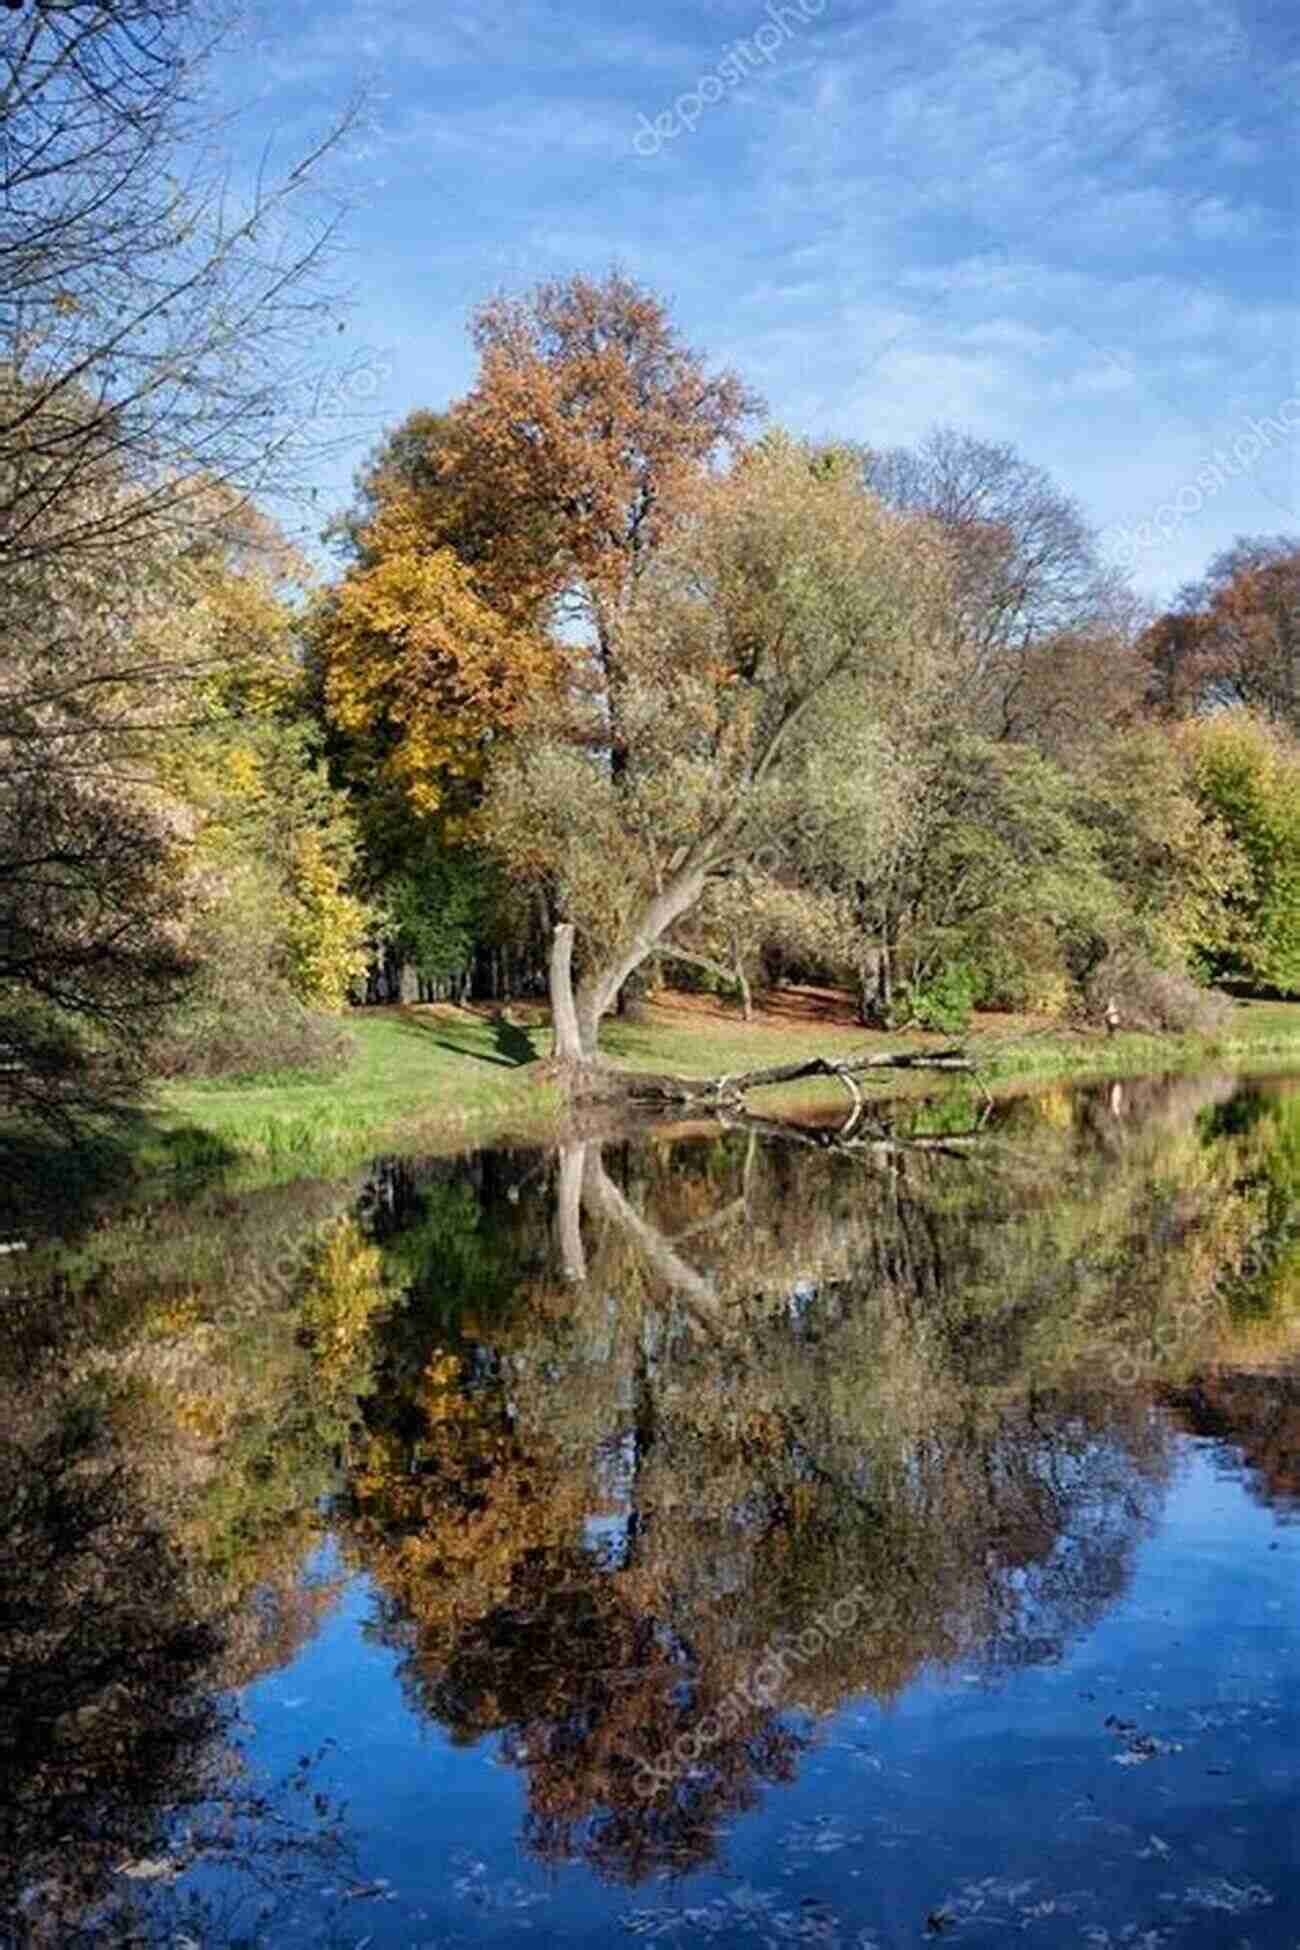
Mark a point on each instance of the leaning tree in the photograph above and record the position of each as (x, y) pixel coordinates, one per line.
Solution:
(790, 609)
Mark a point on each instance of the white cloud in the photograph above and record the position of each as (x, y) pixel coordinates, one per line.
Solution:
(1015, 219)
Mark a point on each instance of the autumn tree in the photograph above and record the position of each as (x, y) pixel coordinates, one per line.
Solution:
(158, 335)
(278, 938)
(423, 465)
(1234, 637)
(238, 925)
(91, 898)
(272, 837)
(419, 672)
(91, 942)
(791, 603)
(539, 498)
(1177, 866)
(1245, 773)
(590, 432)
(422, 659)
(489, 555)
(151, 315)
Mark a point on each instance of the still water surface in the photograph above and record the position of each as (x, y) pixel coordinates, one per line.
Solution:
(719, 1537)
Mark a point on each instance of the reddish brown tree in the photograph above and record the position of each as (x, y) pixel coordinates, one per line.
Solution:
(591, 430)
(1234, 637)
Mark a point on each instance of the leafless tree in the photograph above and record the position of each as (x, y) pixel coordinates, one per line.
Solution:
(1041, 630)
(163, 345)
(153, 312)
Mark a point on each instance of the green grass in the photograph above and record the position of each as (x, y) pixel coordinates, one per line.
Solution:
(1258, 1033)
(703, 1046)
(414, 1078)
(440, 1079)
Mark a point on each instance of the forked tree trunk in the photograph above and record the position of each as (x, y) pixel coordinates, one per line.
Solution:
(600, 989)
(576, 1018)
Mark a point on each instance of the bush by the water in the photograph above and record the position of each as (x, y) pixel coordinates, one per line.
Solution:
(943, 1002)
(1149, 997)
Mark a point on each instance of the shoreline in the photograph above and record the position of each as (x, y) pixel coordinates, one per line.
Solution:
(441, 1079)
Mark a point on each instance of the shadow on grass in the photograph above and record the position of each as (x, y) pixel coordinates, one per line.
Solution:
(513, 1045)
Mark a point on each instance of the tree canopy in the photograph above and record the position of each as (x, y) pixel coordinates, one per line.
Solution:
(606, 682)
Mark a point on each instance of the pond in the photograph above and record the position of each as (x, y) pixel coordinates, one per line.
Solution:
(736, 1535)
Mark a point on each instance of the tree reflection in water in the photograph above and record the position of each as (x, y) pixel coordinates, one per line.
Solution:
(610, 1431)
(597, 1487)
(117, 1734)
(165, 1444)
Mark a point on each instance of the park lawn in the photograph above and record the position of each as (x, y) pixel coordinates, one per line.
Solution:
(440, 1075)
(441, 1078)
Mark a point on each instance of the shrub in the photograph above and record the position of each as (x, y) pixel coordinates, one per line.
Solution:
(241, 1015)
(1021, 967)
(1149, 997)
(271, 1035)
(943, 1001)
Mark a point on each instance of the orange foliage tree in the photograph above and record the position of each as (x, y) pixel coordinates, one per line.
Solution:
(538, 497)
(1235, 636)
(593, 426)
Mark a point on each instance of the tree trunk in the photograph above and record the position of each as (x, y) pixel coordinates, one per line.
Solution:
(573, 1161)
(875, 986)
(742, 982)
(727, 1092)
(567, 1044)
(599, 990)
(600, 1194)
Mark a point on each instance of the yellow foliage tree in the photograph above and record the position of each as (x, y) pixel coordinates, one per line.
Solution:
(269, 842)
(417, 667)
(325, 931)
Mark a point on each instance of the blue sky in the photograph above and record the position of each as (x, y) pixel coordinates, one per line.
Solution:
(1071, 227)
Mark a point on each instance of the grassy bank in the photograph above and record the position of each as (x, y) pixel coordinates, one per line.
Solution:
(439, 1078)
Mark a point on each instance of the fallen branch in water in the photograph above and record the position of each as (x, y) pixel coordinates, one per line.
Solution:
(649, 1087)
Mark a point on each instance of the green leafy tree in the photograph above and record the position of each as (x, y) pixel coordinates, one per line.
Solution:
(1247, 774)
(439, 906)
(791, 604)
